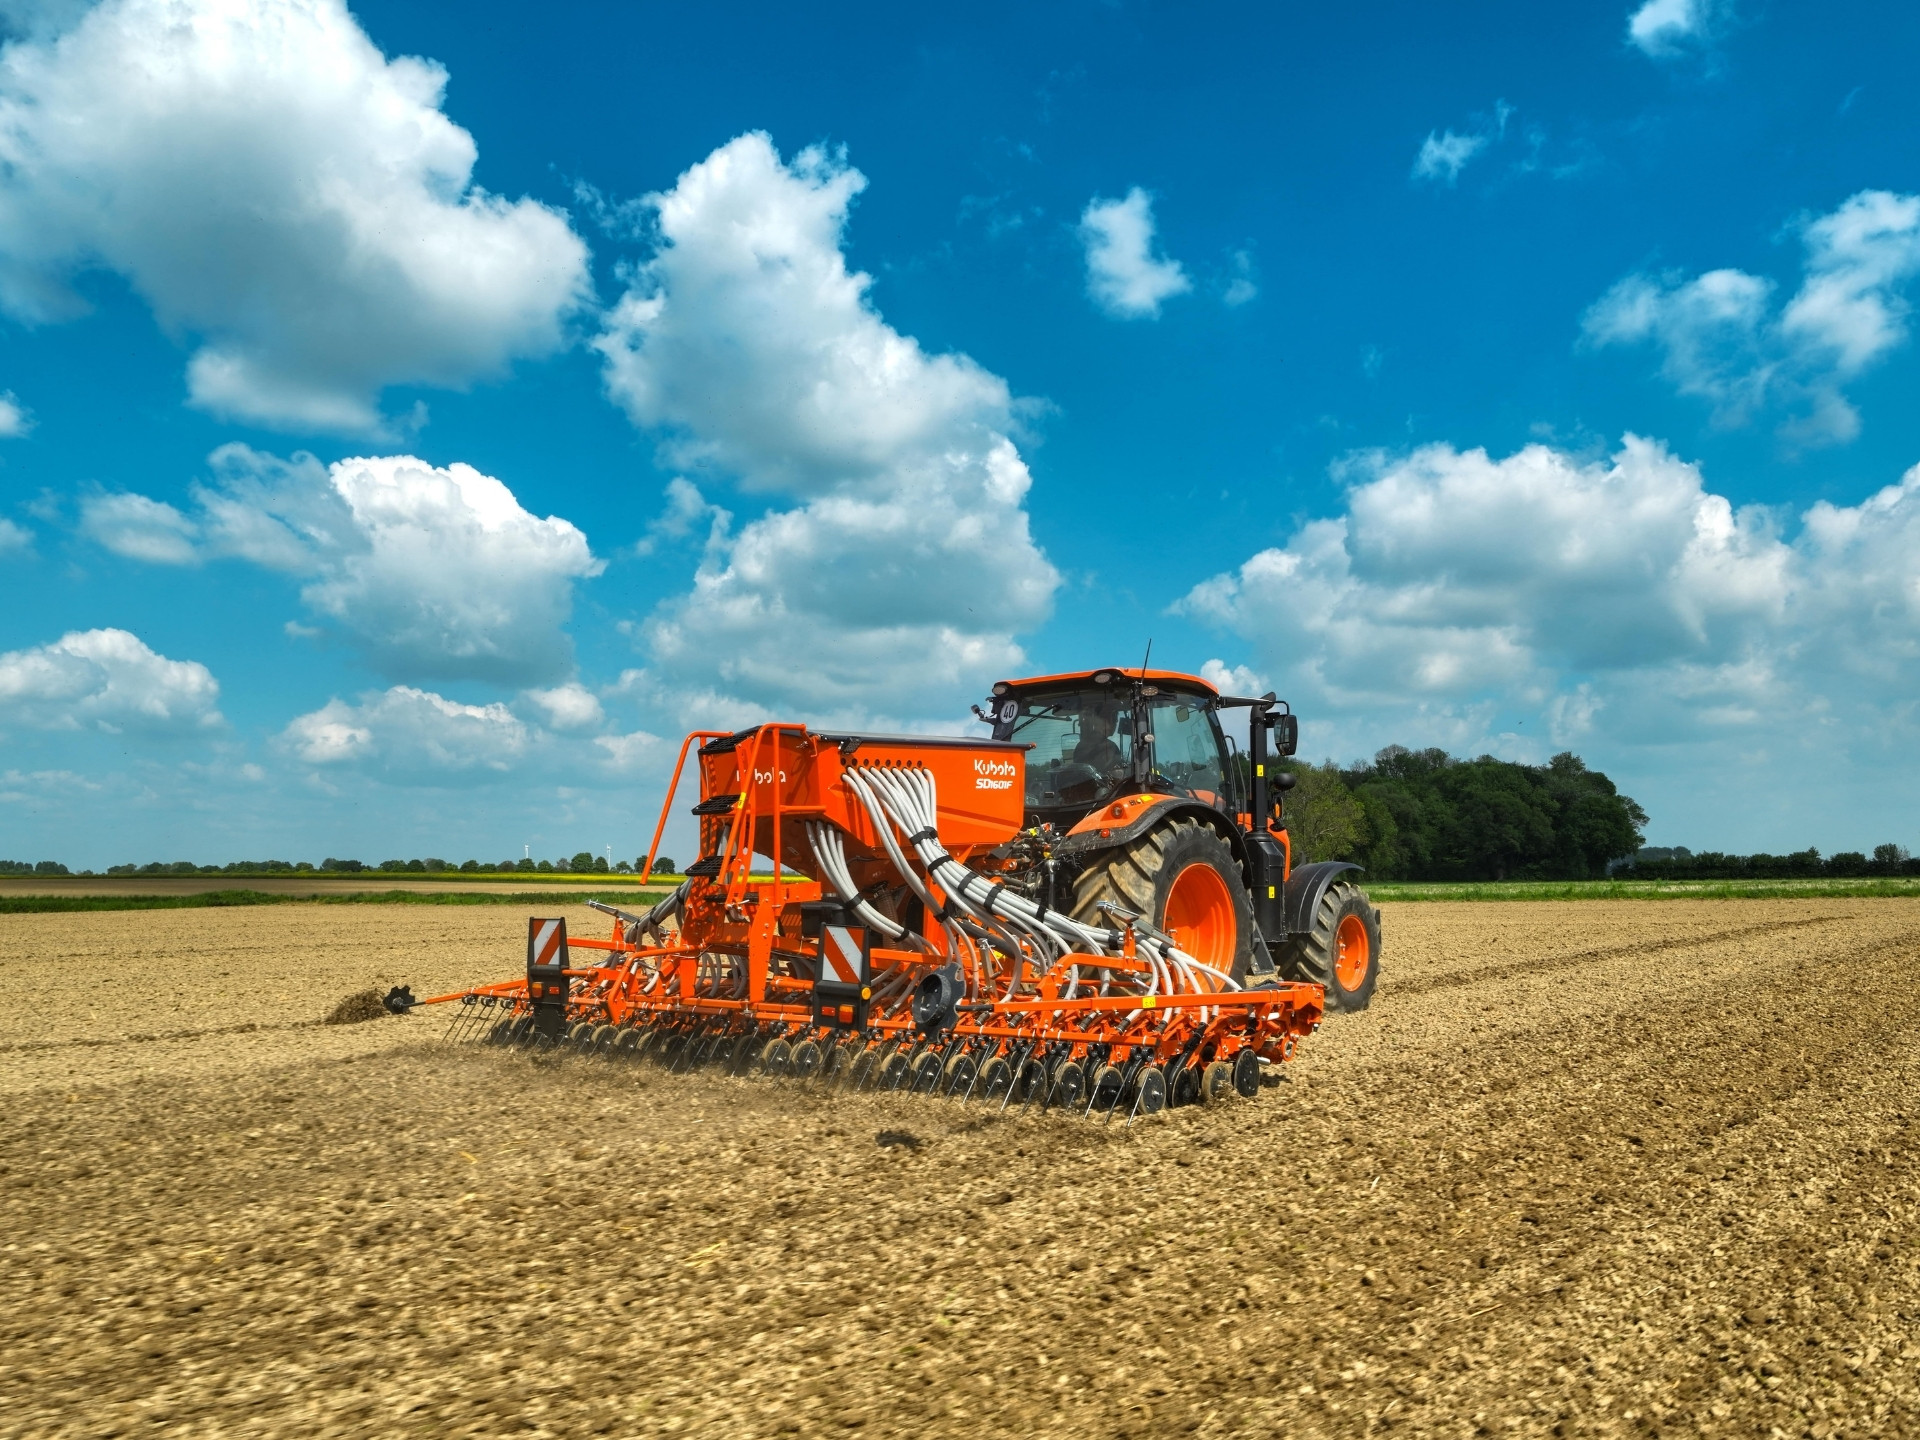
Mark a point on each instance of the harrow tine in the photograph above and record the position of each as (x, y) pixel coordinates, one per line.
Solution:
(1019, 1075)
(703, 1051)
(468, 1019)
(1133, 1111)
(698, 1047)
(1127, 1078)
(1042, 1090)
(977, 1068)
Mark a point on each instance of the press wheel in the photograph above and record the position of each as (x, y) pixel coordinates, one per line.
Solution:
(960, 1073)
(893, 1070)
(1246, 1074)
(1069, 1084)
(926, 1072)
(996, 1077)
(1216, 1082)
(1150, 1091)
(1033, 1082)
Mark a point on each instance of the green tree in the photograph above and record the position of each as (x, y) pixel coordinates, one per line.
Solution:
(582, 861)
(1429, 816)
(1324, 821)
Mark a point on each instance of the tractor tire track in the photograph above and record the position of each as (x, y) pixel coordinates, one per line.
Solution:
(1547, 964)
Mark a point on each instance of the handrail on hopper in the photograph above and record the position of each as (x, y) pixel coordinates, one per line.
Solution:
(666, 806)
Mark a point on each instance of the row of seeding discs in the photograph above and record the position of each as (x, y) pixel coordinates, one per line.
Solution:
(1032, 1074)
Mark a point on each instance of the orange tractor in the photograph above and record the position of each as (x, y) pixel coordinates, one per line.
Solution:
(1095, 906)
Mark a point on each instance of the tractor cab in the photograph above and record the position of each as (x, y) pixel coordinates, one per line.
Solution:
(1103, 734)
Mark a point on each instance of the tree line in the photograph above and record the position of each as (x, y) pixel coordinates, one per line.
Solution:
(1680, 863)
(1425, 815)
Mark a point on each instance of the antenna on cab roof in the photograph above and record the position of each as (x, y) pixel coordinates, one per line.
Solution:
(1148, 656)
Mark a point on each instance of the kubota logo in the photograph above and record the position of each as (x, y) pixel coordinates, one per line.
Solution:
(765, 777)
(986, 773)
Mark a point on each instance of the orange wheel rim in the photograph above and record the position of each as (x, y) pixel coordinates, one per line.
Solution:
(1199, 915)
(1350, 952)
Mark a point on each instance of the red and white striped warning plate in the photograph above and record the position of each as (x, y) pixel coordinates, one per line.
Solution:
(842, 957)
(547, 942)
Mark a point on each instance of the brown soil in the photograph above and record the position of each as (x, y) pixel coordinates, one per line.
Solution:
(1584, 1169)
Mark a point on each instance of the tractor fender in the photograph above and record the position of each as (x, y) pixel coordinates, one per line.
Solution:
(1102, 830)
(1305, 885)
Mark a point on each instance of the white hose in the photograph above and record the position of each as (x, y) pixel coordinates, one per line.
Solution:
(910, 801)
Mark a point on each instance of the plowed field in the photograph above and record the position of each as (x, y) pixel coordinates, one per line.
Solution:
(1584, 1169)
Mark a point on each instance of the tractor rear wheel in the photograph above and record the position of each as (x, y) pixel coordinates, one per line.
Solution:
(1341, 950)
(1181, 878)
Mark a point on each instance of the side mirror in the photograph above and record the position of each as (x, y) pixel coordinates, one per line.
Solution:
(1286, 734)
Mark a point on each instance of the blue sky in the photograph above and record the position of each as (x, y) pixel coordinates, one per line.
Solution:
(418, 417)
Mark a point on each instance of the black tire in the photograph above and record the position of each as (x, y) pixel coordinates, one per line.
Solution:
(1150, 1091)
(1310, 957)
(1138, 877)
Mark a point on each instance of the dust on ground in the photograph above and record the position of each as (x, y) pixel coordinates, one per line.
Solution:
(1584, 1169)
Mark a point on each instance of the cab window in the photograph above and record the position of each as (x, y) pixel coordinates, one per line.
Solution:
(1082, 747)
(1186, 747)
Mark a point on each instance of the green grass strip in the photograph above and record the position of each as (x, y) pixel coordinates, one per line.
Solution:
(216, 899)
(1876, 888)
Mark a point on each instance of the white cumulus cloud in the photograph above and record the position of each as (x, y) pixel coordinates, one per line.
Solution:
(408, 733)
(907, 569)
(1444, 155)
(15, 419)
(1666, 29)
(410, 736)
(1453, 575)
(14, 539)
(106, 680)
(1619, 605)
(290, 202)
(568, 707)
(1124, 275)
(1723, 338)
(434, 573)
(138, 528)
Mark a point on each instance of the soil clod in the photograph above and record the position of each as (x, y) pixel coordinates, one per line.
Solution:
(355, 1009)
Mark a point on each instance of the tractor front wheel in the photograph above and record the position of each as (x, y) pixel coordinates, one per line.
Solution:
(1340, 951)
